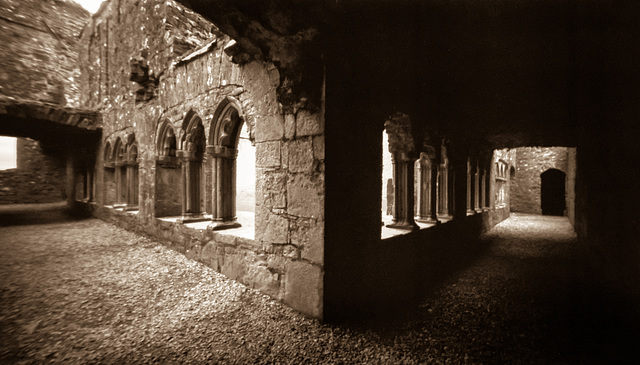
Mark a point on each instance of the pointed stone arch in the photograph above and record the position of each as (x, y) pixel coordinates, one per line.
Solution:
(224, 134)
(132, 173)
(166, 144)
(168, 176)
(192, 148)
(119, 160)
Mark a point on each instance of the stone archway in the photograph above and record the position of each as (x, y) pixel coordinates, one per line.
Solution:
(552, 192)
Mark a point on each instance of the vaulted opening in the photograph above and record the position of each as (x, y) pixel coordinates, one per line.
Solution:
(552, 192)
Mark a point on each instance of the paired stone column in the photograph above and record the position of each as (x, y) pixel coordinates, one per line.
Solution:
(403, 173)
(470, 197)
(427, 191)
(433, 201)
(132, 186)
(191, 181)
(476, 188)
(223, 171)
(424, 189)
(483, 189)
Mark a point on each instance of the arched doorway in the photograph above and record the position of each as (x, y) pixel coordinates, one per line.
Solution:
(552, 192)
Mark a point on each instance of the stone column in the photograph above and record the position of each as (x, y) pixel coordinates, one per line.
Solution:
(476, 188)
(424, 189)
(91, 184)
(435, 188)
(403, 172)
(191, 172)
(129, 192)
(449, 181)
(483, 189)
(223, 172)
(470, 197)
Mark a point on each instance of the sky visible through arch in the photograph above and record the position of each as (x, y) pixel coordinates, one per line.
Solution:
(7, 153)
(91, 5)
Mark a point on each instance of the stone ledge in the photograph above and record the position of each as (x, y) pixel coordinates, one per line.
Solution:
(75, 117)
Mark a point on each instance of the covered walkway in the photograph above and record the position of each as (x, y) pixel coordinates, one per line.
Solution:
(88, 292)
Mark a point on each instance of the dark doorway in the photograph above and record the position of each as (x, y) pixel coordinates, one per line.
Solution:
(552, 192)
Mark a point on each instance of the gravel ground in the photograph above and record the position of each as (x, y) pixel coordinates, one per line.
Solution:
(88, 292)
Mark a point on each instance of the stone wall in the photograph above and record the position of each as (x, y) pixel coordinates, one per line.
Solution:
(38, 178)
(502, 182)
(285, 257)
(571, 185)
(39, 54)
(531, 162)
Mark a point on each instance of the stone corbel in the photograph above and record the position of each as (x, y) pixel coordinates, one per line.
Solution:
(139, 73)
(222, 152)
(170, 162)
(188, 155)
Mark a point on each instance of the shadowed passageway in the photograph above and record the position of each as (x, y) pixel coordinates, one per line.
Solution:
(77, 292)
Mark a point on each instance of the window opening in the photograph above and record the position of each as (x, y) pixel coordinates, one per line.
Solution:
(192, 154)
(223, 148)
(8, 153)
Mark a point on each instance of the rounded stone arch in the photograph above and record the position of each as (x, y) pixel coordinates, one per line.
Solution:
(226, 124)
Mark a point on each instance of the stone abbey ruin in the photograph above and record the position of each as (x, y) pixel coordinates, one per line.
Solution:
(249, 136)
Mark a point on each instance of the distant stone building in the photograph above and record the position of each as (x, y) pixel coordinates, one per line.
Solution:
(541, 181)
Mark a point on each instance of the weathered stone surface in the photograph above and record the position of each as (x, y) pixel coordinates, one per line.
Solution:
(301, 155)
(270, 128)
(305, 196)
(271, 189)
(268, 154)
(311, 242)
(289, 126)
(39, 50)
(261, 278)
(525, 184)
(271, 227)
(303, 287)
(318, 147)
(308, 124)
(38, 178)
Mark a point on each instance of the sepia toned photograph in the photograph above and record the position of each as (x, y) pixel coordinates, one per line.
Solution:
(319, 182)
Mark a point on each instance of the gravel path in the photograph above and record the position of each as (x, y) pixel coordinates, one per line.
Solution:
(88, 292)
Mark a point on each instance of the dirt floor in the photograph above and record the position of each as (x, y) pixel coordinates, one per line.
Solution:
(88, 292)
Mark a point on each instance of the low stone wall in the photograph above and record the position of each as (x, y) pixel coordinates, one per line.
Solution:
(413, 264)
(242, 259)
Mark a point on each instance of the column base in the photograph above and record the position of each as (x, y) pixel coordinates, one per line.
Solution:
(409, 226)
(192, 217)
(220, 225)
(427, 220)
